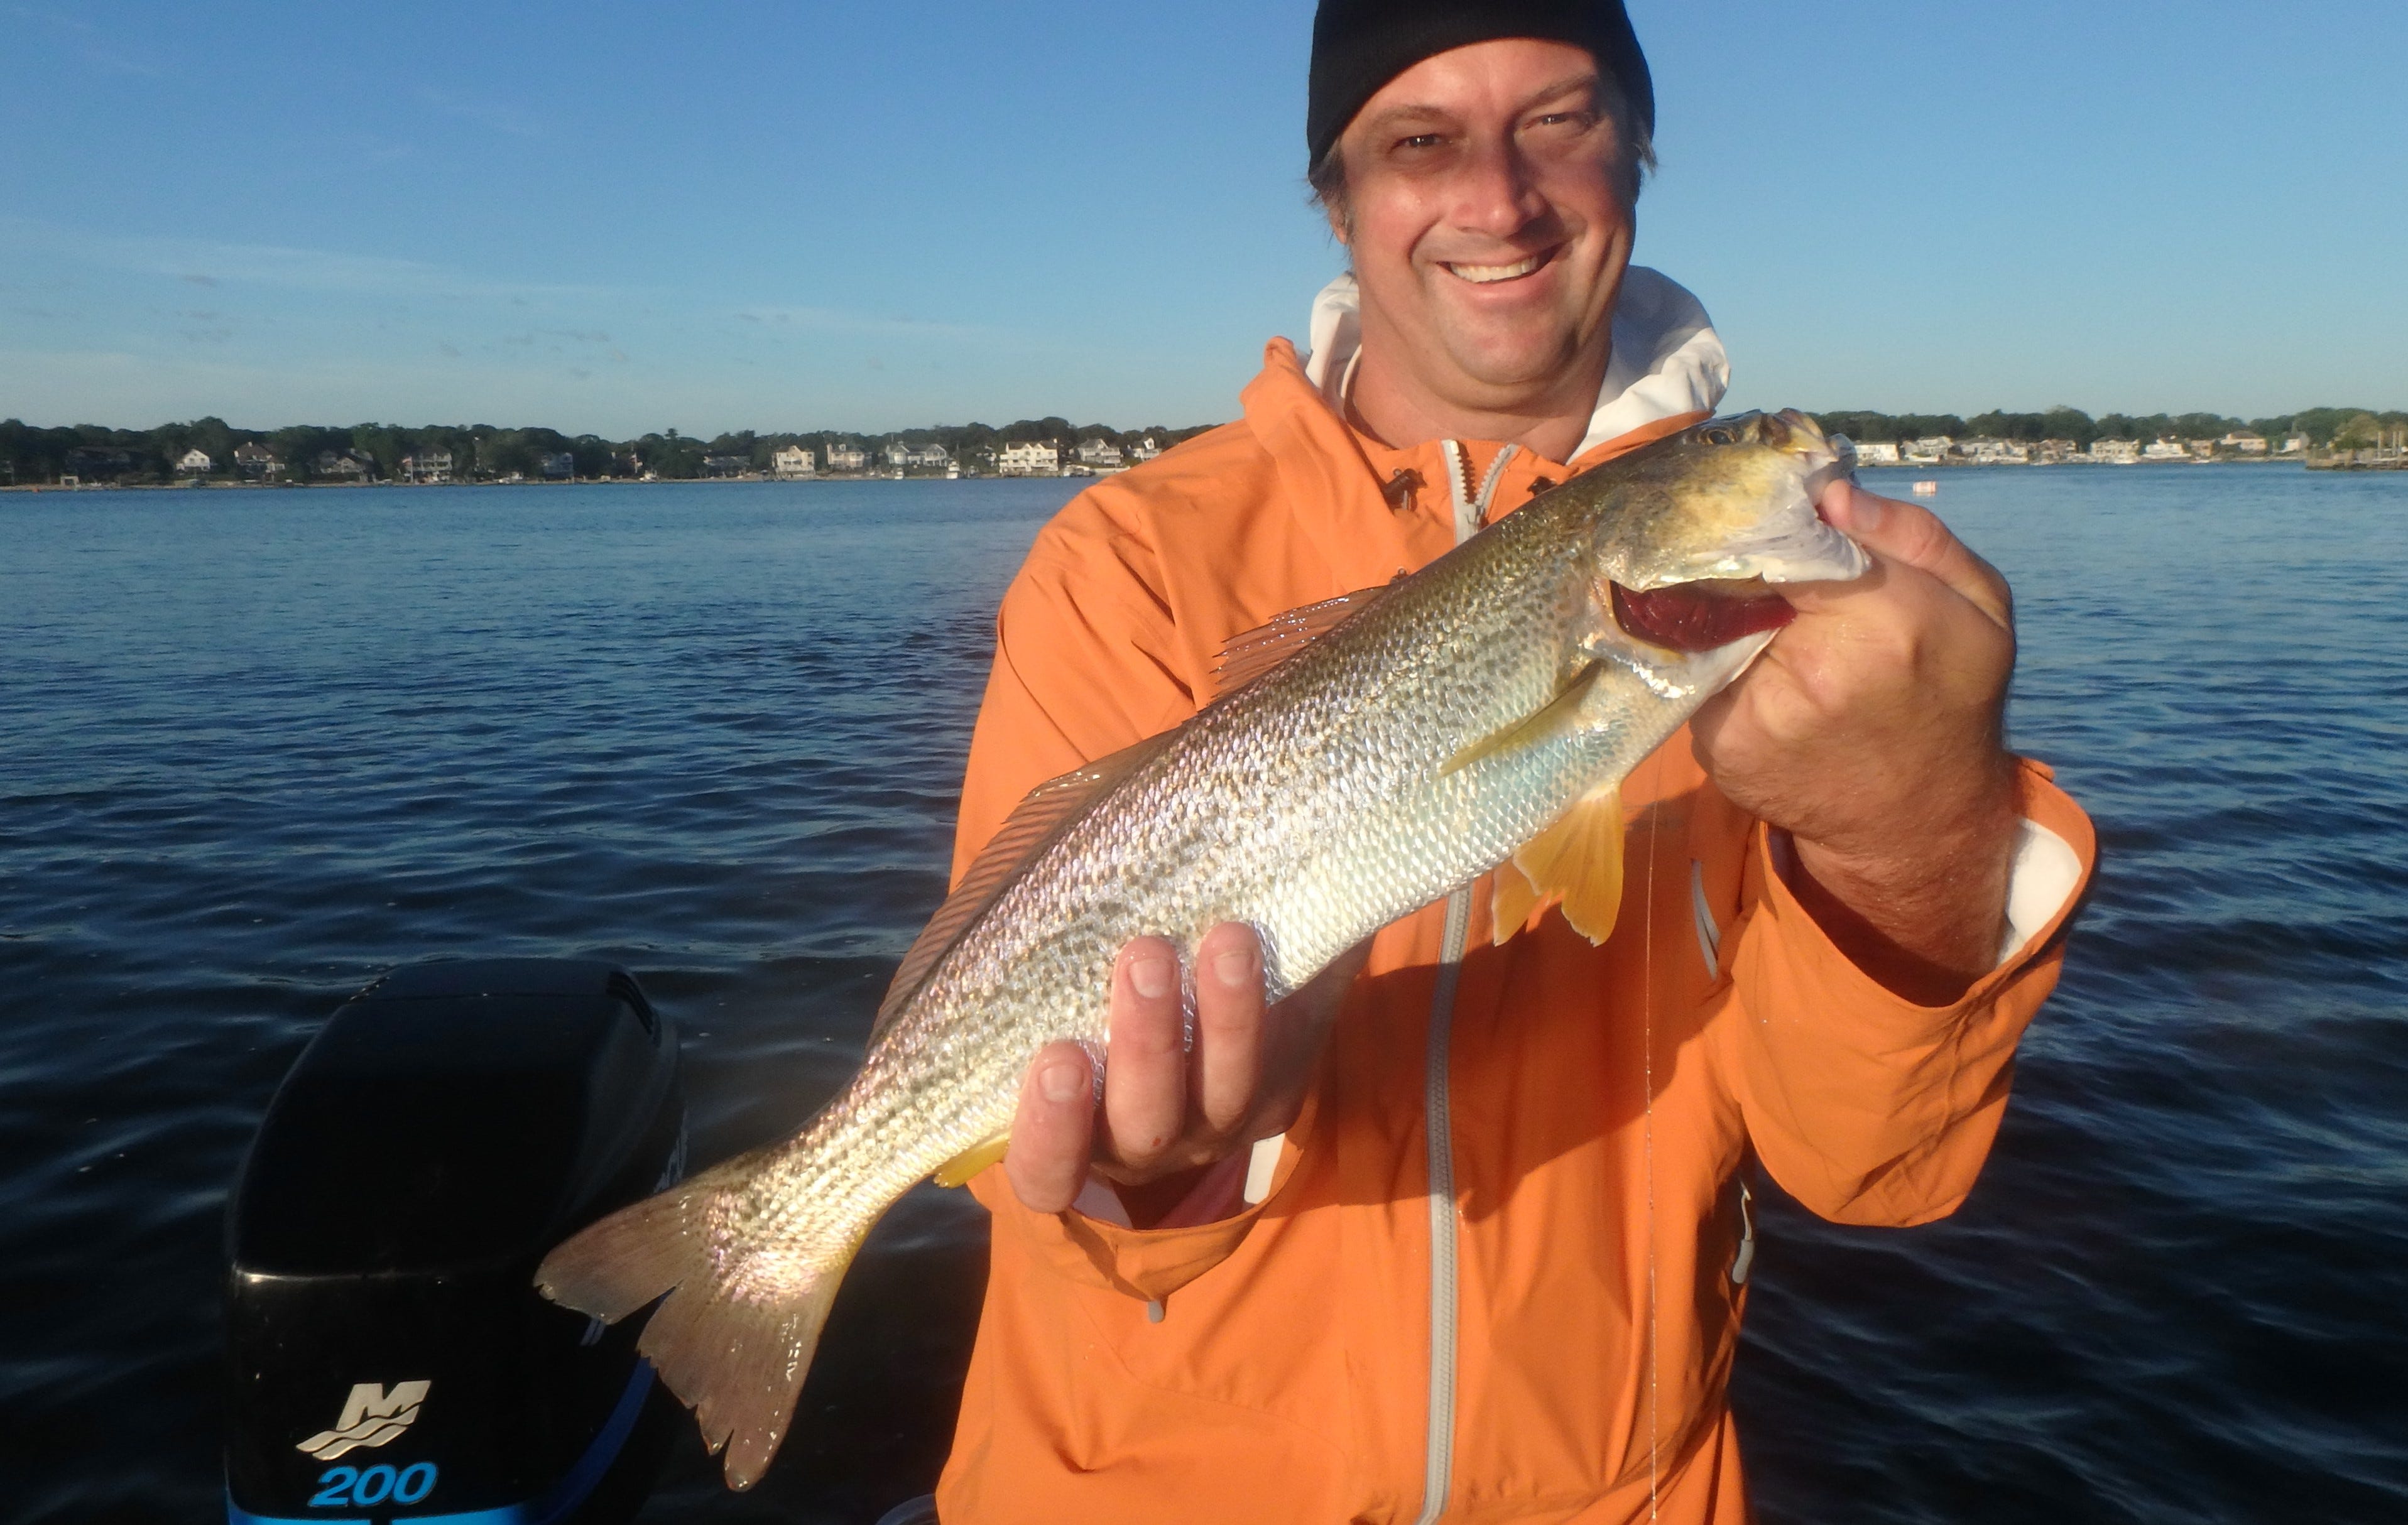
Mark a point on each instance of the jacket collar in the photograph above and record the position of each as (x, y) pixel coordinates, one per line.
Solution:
(1668, 360)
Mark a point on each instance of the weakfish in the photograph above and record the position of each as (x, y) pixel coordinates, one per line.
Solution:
(1365, 757)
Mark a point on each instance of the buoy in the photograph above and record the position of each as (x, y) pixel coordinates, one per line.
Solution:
(1926, 488)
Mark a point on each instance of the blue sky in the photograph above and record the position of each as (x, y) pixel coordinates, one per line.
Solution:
(618, 217)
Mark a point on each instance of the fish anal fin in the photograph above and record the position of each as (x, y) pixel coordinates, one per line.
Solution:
(1578, 862)
(1512, 899)
(1557, 716)
(1249, 654)
(1027, 832)
(961, 1167)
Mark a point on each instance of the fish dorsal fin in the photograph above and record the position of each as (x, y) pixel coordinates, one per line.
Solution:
(1250, 654)
(1576, 862)
(1029, 830)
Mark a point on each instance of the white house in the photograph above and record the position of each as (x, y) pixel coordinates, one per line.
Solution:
(1098, 452)
(2164, 449)
(933, 455)
(429, 465)
(2244, 442)
(2115, 452)
(1145, 450)
(1876, 452)
(843, 457)
(1928, 452)
(2295, 445)
(193, 463)
(793, 462)
(1030, 458)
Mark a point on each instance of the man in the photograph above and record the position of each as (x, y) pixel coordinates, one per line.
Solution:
(1457, 1230)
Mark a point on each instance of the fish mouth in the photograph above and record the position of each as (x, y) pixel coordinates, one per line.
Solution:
(1700, 616)
(1490, 274)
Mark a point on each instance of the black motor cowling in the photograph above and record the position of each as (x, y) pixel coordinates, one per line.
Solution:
(389, 1357)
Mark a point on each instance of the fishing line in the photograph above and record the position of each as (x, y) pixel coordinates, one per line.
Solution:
(1647, 1076)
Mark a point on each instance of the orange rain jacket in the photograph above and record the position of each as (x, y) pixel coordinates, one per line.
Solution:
(1562, 1355)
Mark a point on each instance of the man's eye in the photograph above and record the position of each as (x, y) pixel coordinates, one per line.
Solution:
(1421, 140)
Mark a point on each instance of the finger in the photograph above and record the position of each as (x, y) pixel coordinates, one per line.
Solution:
(1227, 1063)
(1145, 1064)
(1052, 1129)
(1905, 533)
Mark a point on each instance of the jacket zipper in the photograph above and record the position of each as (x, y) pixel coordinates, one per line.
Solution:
(1438, 1459)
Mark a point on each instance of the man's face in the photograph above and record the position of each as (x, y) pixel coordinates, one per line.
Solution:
(1487, 208)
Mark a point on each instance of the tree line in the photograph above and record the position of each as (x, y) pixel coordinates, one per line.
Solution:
(304, 452)
(2344, 428)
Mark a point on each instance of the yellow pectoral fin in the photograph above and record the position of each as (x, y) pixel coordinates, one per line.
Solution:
(1578, 859)
(1557, 718)
(961, 1167)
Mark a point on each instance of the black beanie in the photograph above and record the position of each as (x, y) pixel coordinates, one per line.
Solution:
(1361, 45)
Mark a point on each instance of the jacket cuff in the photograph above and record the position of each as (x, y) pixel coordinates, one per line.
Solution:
(2054, 849)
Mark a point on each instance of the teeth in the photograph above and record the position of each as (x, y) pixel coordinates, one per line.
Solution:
(1482, 274)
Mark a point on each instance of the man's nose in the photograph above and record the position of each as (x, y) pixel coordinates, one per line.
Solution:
(1496, 193)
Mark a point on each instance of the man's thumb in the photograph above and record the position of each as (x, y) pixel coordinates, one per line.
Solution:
(1915, 536)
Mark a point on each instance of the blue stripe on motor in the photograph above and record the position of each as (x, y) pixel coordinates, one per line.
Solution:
(564, 1495)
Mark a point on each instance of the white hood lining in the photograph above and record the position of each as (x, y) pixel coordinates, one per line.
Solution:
(1668, 360)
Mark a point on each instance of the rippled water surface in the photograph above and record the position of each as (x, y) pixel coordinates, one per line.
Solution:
(261, 745)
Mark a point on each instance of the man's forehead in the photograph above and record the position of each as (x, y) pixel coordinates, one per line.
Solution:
(1414, 97)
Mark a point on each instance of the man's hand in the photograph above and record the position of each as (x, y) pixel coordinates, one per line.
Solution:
(1871, 730)
(1169, 1111)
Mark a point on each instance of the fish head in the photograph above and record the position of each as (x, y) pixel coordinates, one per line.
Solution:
(1691, 545)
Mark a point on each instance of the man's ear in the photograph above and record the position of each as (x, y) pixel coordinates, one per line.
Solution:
(1340, 227)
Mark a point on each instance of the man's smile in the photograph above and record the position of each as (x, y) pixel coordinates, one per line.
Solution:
(1488, 275)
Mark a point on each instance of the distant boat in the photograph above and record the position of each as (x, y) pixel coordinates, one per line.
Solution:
(1927, 489)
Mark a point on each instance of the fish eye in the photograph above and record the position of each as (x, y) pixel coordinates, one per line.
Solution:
(1719, 435)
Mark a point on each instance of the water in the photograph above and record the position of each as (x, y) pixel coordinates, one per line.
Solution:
(261, 745)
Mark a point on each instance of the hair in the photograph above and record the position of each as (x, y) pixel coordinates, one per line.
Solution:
(1327, 175)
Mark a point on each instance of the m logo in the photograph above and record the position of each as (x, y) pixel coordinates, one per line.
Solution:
(371, 1417)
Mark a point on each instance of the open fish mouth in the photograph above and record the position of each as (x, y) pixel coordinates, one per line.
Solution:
(1700, 616)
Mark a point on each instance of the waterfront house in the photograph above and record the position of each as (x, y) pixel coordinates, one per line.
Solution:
(1928, 452)
(726, 466)
(2244, 442)
(1997, 452)
(431, 464)
(559, 466)
(194, 463)
(1145, 450)
(934, 456)
(793, 462)
(845, 457)
(1030, 458)
(1098, 452)
(2294, 445)
(2164, 449)
(1876, 452)
(257, 462)
(344, 465)
(2115, 452)
(2049, 452)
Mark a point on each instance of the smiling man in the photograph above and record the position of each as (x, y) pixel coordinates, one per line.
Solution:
(1458, 1232)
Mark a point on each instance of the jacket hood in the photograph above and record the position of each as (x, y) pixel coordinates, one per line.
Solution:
(1668, 360)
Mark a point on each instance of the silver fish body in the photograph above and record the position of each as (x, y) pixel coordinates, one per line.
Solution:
(1356, 781)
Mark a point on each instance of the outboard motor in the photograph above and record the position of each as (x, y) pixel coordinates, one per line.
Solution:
(389, 1357)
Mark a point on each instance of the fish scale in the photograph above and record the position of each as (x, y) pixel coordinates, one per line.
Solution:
(1359, 780)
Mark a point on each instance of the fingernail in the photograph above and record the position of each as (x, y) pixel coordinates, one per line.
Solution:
(1151, 977)
(1236, 968)
(1062, 1082)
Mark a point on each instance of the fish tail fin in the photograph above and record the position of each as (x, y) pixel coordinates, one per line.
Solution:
(734, 1335)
